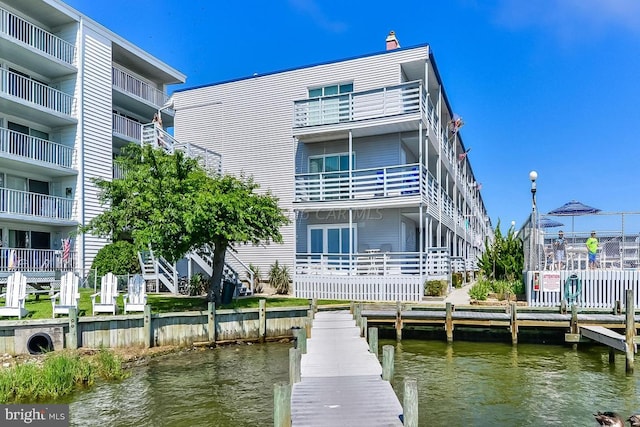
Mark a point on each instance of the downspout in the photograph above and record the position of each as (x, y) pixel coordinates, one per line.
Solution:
(351, 232)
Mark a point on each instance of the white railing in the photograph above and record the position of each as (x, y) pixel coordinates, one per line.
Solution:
(32, 91)
(360, 184)
(21, 259)
(359, 288)
(388, 101)
(34, 204)
(136, 87)
(25, 32)
(598, 288)
(19, 144)
(386, 264)
(127, 127)
(157, 137)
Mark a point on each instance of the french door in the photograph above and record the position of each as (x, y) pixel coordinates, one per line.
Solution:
(331, 243)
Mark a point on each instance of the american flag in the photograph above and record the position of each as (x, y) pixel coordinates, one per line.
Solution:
(463, 156)
(66, 249)
(455, 124)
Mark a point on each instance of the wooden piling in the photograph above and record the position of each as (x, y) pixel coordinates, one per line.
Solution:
(373, 341)
(398, 321)
(212, 321)
(282, 405)
(448, 323)
(387, 362)
(295, 358)
(72, 342)
(410, 403)
(262, 315)
(302, 341)
(630, 329)
(314, 305)
(363, 327)
(146, 327)
(574, 323)
(514, 323)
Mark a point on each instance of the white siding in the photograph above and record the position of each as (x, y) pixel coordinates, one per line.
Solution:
(250, 123)
(96, 130)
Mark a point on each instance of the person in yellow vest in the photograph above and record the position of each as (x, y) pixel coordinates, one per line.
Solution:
(592, 249)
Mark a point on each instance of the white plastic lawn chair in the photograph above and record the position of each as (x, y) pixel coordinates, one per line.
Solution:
(15, 296)
(68, 296)
(136, 297)
(108, 295)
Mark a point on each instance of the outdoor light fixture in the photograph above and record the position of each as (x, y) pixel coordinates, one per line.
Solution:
(533, 175)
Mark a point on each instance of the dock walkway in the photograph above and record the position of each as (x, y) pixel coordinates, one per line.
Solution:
(341, 381)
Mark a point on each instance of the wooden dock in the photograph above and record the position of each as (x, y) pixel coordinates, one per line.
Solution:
(341, 380)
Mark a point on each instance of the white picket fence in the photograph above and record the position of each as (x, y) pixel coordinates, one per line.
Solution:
(359, 288)
(598, 288)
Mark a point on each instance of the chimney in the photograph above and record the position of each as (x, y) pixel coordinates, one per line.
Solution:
(392, 41)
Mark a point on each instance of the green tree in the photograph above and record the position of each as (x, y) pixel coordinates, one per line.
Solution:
(118, 258)
(504, 258)
(168, 202)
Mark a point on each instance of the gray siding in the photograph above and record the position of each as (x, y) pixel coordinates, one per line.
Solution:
(96, 130)
(250, 123)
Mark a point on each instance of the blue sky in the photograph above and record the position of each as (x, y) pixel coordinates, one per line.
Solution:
(550, 85)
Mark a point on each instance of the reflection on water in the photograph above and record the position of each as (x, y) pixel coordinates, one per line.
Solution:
(463, 384)
(480, 384)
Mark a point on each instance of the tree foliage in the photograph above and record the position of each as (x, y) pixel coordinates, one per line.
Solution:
(118, 258)
(168, 202)
(504, 258)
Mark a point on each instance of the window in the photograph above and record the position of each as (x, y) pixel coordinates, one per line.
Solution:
(333, 240)
(332, 179)
(332, 104)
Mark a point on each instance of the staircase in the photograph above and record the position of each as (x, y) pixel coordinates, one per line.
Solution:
(157, 269)
(158, 137)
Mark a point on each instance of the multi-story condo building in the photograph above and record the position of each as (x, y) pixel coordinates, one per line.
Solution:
(366, 155)
(72, 93)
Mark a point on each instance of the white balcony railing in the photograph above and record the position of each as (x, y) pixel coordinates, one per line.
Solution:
(157, 137)
(35, 205)
(22, 259)
(359, 184)
(25, 32)
(433, 262)
(139, 88)
(127, 127)
(388, 101)
(30, 147)
(33, 91)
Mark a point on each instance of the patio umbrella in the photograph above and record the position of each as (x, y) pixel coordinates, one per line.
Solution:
(545, 222)
(573, 208)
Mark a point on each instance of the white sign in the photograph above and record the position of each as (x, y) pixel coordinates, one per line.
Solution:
(550, 281)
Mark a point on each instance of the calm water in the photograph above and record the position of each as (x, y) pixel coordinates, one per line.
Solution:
(464, 384)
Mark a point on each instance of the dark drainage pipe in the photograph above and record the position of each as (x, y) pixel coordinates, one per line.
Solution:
(39, 343)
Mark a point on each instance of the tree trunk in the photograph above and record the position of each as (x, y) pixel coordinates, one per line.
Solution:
(215, 283)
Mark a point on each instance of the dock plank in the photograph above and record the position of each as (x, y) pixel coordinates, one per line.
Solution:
(341, 380)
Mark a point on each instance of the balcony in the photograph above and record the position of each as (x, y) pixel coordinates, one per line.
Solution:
(24, 43)
(27, 97)
(359, 184)
(126, 129)
(391, 107)
(35, 151)
(136, 94)
(23, 259)
(34, 205)
(157, 137)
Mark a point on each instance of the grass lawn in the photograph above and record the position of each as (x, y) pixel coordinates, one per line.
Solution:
(160, 303)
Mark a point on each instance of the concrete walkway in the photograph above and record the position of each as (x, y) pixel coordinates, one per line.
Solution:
(460, 296)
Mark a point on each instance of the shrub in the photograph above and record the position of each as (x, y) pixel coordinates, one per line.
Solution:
(198, 285)
(118, 258)
(518, 287)
(504, 258)
(279, 278)
(257, 281)
(480, 290)
(435, 288)
(456, 279)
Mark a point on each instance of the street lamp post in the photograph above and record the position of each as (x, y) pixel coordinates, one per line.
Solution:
(533, 176)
